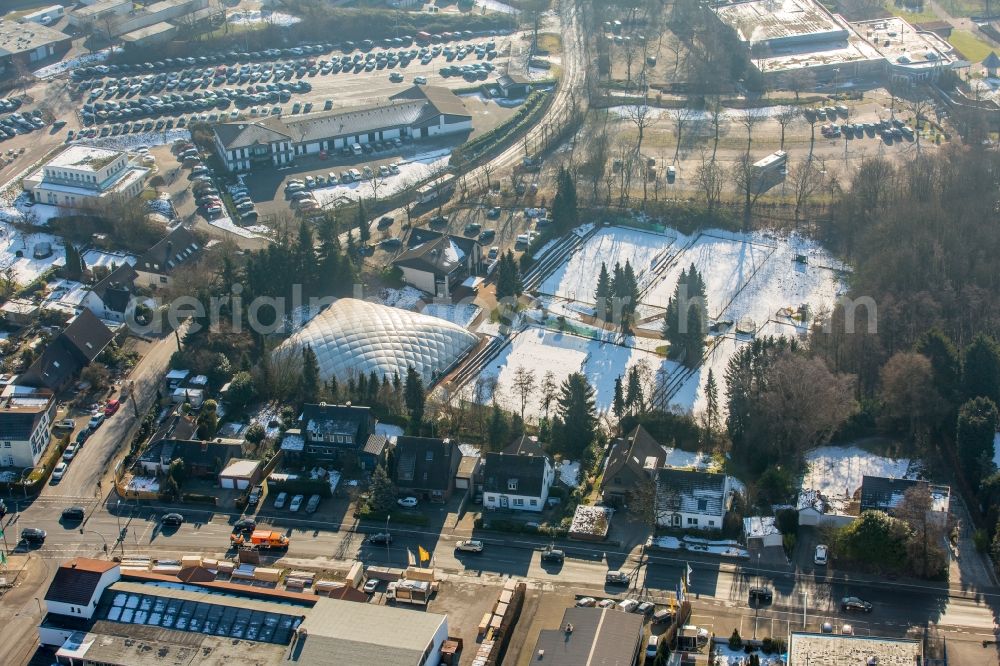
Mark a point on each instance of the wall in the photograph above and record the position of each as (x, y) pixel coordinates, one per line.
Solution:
(422, 280)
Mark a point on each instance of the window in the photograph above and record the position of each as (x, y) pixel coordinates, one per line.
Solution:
(512, 484)
(702, 504)
(692, 521)
(6, 445)
(163, 279)
(711, 523)
(518, 501)
(534, 502)
(430, 456)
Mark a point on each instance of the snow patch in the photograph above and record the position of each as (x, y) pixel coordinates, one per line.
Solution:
(388, 430)
(836, 472)
(405, 298)
(57, 68)
(257, 17)
(569, 472)
(411, 172)
(462, 314)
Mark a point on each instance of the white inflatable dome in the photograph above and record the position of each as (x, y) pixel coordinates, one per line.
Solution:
(353, 337)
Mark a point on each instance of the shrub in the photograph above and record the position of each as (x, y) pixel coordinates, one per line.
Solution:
(735, 641)
(197, 498)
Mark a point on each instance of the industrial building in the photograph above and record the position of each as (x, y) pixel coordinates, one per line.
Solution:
(808, 649)
(788, 38)
(418, 112)
(28, 42)
(113, 18)
(83, 175)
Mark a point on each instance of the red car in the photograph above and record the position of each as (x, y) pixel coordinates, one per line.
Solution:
(112, 407)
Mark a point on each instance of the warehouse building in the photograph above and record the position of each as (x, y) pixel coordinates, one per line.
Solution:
(26, 43)
(418, 112)
(791, 38)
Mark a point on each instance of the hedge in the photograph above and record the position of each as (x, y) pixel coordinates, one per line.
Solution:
(418, 519)
(300, 487)
(526, 116)
(197, 498)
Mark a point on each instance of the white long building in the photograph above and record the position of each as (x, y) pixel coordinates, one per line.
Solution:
(418, 112)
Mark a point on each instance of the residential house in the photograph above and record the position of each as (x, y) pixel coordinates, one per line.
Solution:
(203, 459)
(20, 312)
(468, 478)
(437, 263)
(521, 482)
(880, 493)
(690, 499)
(82, 341)
(111, 297)
(631, 464)
(156, 267)
(26, 414)
(425, 467)
(525, 445)
(71, 599)
(341, 434)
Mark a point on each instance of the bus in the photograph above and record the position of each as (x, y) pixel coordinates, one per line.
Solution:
(770, 170)
(436, 187)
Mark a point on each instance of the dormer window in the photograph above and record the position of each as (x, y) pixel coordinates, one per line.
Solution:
(702, 504)
(512, 484)
(430, 456)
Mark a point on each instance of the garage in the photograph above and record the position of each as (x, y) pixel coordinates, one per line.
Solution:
(239, 474)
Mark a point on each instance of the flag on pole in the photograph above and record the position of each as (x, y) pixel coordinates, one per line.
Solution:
(680, 592)
(424, 555)
(687, 576)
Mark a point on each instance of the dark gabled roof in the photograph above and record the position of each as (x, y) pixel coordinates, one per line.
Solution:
(525, 446)
(354, 420)
(632, 452)
(87, 336)
(193, 451)
(115, 289)
(422, 235)
(992, 61)
(245, 134)
(441, 100)
(879, 492)
(502, 468)
(425, 462)
(56, 365)
(20, 415)
(505, 80)
(174, 249)
(687, 491)
(76, 581)
(440, 256)
(600, 636)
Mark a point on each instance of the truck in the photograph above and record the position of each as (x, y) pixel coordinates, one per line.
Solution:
(691, 638)
(261, 539)
(418, 592)
(255, 495)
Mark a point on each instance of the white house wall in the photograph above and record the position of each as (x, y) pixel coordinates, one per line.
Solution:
(422, 280)
(495, 501)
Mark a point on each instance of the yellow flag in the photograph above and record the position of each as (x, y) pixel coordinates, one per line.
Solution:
(424, 555)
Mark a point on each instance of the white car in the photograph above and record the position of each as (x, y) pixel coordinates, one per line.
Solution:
(59, 471)
(68, 424)
(822, 554)
(279, 501)
(470, 546)
(408, 502)
(371, 585)
(606, 603)
(628, 605)
(69, 453)
(96, 419)
(296, 503)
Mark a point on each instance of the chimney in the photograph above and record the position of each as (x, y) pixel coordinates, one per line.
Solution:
(170, 250)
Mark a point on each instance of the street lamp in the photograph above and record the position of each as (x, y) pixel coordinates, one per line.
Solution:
(387, 539)
(83, 531)
(805, 603)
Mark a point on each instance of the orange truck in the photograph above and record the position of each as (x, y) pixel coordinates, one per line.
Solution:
(263, 539)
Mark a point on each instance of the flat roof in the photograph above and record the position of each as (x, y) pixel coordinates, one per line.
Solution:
(149, 30)
(835, 650)
(854, 49)
(903, 45)
(99, 7)
(20, 37)
(240, 468)
(84, 158)
(604, 636)
(346, 632)
(760, 21)
(161, 647)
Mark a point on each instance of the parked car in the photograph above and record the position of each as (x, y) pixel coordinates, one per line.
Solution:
(245, 525)
(616, 578)
(66, 423)
(313, 504)
(470, 546)
(371, 585)
(628, 605)
(586, 602)
(651, 646)
(112, 407)
(33, 535)
(69, 453)
(59, 471)
(606, 603)
(74, 513)
(408, 502)
(296, 503)
(172, 519)
(646, 608)
(822, 555)
(663, 616)
(761, 595)
(82, 436)
(855, 604)
(280, 500)
(96, 419)
(380, 539)
(553, 555)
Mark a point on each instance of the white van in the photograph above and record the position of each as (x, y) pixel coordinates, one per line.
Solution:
(356, 148)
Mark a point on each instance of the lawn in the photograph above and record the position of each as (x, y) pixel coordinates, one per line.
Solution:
(971, 47)
(921, 16)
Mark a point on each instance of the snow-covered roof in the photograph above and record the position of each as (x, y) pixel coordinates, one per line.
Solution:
(357, 337)
(240, 468)
(756, 527)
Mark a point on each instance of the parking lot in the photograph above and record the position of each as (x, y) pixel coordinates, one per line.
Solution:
(117, 99)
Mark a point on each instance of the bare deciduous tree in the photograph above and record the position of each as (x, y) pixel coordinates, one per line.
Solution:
(785, 117)
(710, 177)
(928, 527)
(715, 118)
(750, 117)
(642, 118)
(524, 386)
(681, 117)
(808, 178)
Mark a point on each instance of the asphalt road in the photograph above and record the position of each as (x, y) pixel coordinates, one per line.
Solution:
(720, 589)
